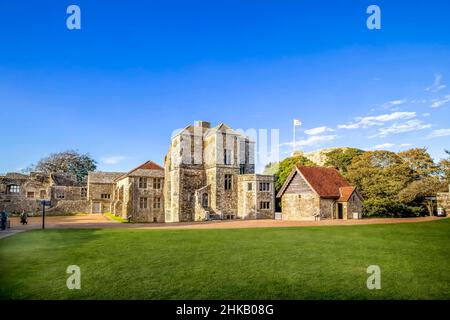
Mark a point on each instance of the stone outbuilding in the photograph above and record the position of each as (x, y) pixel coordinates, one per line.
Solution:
(138, 194)
(100, 191)
(319, 193)
(24, 192)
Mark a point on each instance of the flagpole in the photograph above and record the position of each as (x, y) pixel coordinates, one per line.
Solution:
(293, 142)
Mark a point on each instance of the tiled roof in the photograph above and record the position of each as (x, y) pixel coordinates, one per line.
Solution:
(325, 181)
(346, 193)
(149, 165)
(103, 177)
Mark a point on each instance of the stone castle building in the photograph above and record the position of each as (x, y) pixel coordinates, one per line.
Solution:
(24, 192)
(318, 193)
(210, 174)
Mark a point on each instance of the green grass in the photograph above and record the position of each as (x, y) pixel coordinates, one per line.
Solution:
(277, 263)
(116, 218)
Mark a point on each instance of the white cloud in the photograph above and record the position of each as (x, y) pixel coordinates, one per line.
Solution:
(439, 133)
(439, 103)
(383, 146)
(411, 125)
(394, 103)
(112, 160)
(426, 114)
(437, 85)
(311, 141)
(366, 122)
(404, 145)
(318, 130)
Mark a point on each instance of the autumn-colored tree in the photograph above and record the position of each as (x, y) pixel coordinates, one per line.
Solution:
(444, 166)
(380, 176)
(69, 161)
(422, 192)
(341, 158)
(420, 161)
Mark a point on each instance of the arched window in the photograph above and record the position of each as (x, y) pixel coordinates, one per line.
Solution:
(205, 200)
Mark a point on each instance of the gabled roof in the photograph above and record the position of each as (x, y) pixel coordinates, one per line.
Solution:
(346, 193)
(326, 182)
(103, 177)
(149, 165)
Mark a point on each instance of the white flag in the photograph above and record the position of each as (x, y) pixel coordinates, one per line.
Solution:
(297, 122)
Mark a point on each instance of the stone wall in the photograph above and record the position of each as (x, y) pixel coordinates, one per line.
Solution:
(443, 201)
(354, 205)
(327, 208)
(300, 207)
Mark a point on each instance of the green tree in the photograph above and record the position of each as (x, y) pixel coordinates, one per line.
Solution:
(444, 166)
(341, 158)
(69, 161)
(380, 176)
(421, 192)
(420, 161)
(286, 166)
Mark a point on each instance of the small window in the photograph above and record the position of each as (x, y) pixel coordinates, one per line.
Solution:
(249, 186)
(228, 182)
(264, 186)
(83, 192)
(264, 205)
(157, 203)
(43, 194)
(157, 183)
(30, 195)
(14, 189)
(143, 203)
(106, 196)
(142, 183)
(227, 156)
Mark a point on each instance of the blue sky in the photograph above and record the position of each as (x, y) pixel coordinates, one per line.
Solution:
(138, 70)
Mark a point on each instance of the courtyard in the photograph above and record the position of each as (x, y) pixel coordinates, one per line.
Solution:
(228, 260)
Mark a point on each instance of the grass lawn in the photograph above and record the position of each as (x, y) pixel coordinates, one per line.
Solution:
(276, 263)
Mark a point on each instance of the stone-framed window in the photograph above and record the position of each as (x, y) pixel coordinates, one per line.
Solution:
(228, 182)
(83, 192)
(157, 203)
(227, 156)
(106, 196)
(249, 186)
(264, 205)
(142, 183)
(157, 183)
(143, 203)
(30, 195)
(43, 194)
(264, 186)
(14, 188)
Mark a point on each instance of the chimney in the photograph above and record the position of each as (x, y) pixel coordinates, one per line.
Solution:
(203, 124)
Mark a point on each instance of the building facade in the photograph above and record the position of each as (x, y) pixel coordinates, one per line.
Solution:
(318, 193)
(24, 192)
(208, 172)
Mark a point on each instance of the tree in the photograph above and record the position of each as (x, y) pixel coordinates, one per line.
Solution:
(69, 161)
(380, 176)
(444, 166)
(422, 192)
(341, 158)
(286, 166)
(420, 161)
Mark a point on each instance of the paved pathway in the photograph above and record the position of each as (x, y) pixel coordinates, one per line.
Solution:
(6, 233)
(100, 221)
